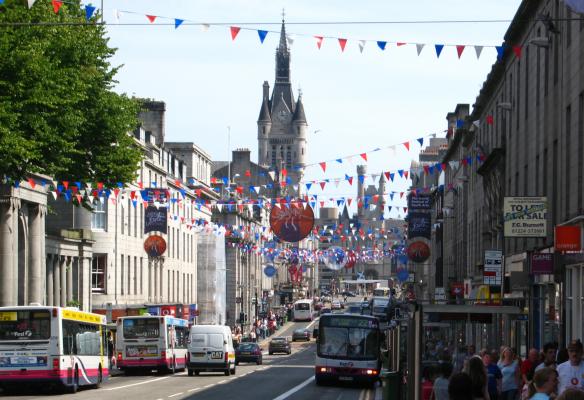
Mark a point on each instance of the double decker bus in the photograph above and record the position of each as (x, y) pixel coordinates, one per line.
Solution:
(52, 346)
(151, 342)
(348, 349)
(303, 310)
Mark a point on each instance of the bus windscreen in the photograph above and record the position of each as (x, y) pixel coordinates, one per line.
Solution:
(141, 328)
(25, 325)
(349, 343)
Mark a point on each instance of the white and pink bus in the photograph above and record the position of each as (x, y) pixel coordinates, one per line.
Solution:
(52, 346)
(151, 342)
(348, 349)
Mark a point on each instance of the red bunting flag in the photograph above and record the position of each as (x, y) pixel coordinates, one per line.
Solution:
(151, 18)
(406, 174)
(322, 185)
(350, 181)
(386, 175)
(66, 184)
(99, 185)
(319, 40)
(401, 44)
(247, 173)
(364, 156)
(405, 209)
(141, 185)
(460, 49)
(57, 5)
(350, 200)
(407, 145)
(426, 169)
(342, 43)
(489, 120)
(321, 203)
(401, 195)
(234, 31)
(284, 171)
(517, 51)
(31, 182)
(323, 166)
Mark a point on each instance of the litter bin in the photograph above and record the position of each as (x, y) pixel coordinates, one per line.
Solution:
(390, 382)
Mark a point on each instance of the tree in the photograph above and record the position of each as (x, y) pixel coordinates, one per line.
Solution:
(58, 113)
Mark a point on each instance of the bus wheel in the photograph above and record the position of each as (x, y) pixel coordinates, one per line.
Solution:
(197, 373)
(190, 372)
(73, 388)
(173, 367)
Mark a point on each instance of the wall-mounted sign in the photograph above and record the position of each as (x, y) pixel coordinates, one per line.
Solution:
(155, 219)
(269, 271)
(568, 238)
(402, 274)
(155, 245)
(419, 225)
(418, 251)
(419, 202)
(291, 223)
(525, 216)
(493, 271)
(542, 263)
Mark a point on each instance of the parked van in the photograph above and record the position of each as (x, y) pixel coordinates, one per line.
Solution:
(210, 350)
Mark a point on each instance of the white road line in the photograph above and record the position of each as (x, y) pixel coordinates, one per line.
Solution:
(139, 383)
(208, 386)
(176, 394)
(193, 389)
(223, 381)
(294, 389)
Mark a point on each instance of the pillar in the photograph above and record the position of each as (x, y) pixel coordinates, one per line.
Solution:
(36, 253)
(150, 295)
(8, 247)
(63, 284)
(84, 279)
(69, 285)
(57, 280)
(50, 277)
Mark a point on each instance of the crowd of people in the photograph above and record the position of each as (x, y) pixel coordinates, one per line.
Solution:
(503, 375)
(260, 329)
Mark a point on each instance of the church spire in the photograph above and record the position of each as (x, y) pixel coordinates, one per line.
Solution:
(283, 47)
(283, 57)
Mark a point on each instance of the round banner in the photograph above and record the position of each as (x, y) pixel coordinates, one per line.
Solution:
(335, 258)
(418, 251)
(270, 271)
(155, 245)
(290, 223)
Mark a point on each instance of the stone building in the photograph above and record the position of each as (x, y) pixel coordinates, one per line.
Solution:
(282, 126)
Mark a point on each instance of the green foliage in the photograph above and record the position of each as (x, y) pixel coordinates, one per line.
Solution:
(58, 113)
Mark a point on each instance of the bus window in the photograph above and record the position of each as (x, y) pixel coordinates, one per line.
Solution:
(25, 325)
(140, 328)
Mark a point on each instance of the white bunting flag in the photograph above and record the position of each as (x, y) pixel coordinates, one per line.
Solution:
(205, 27)
(419, 47)
(362, 45)
(478, 50)
(31, 3)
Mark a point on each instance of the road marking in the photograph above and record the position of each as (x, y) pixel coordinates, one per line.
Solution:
(138, 383)
(208, 386)
(193, 389)
(294, 389)
(223, 381)
(176, 394)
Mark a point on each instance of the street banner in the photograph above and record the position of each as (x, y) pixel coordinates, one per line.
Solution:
(525, 216)
(493, 271)
(542, 263)
(419, 225)
(568, 238)
(419, 202)
(155, 219)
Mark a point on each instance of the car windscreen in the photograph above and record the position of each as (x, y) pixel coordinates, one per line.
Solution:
(214, 340)
(25, 325)
(349, 343)
(247, 347)
(141, 328)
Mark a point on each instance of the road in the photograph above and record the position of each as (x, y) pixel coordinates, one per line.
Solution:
(280, 377)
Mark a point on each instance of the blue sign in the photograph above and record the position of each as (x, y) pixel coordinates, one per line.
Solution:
(154, 310)
(403, 274)
(403, 259)
(270, 271)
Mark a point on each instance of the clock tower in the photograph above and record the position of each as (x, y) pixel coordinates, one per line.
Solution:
(282, 126)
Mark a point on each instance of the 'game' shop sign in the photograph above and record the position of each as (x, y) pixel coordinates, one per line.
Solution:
(525, 216)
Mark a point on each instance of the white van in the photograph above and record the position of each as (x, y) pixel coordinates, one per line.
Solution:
(210, 349)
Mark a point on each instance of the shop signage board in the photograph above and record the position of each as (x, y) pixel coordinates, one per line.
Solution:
(419, 225)
(542, 263)
(568, 238)
(493, 272)
(525, 216)
(419, 202)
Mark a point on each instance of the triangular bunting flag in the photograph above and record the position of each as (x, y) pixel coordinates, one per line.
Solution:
(290, 40)
(319, 40)
(234, 31)
(31, 3)
(439, 48)
(362, 45)
(407, 145)
(381, 45)
(460, 49)
(363, 156)
(178, 22)
(421, 141)
(399, 44)
(342, 43)
(419, 47)
(323, 166)
(517, 51)
(500, 52)
(89, 10)
(262, 35)
(151, 18)
(478, 50)
(205, 27)
(322, 185)
(489, 120)
(57, 6)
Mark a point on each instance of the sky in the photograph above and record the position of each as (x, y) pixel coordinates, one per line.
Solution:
(354, 101)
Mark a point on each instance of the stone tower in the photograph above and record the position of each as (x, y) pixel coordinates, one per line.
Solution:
(282, 126)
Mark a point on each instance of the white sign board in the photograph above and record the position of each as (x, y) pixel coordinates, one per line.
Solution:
(493, 272)
(440, 295)
(525, 216)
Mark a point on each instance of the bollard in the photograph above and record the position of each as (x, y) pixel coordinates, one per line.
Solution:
(390, 381)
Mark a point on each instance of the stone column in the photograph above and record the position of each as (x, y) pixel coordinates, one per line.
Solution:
(50, 266)
(36, 253)
(69, 285)
(57, 280)
(85, 283)
(8, 247)
(150, 286)
(63, 267)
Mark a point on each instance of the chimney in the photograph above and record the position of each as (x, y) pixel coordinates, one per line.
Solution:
(266, 90)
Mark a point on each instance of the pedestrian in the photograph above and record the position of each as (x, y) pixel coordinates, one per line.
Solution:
(427, 384)
(571, 372)
(440, 389)
(478, 375)
(493, 374)
(571, 394)
(509, 367)
(252, 335)
(460, 387)
(550, 351)
(543, 384)
(528, 366)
